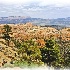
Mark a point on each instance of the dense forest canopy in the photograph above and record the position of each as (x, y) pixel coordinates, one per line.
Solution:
(36, 50)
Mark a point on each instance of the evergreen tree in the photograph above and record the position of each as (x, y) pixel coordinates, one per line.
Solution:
(50, 53)
(6, 32)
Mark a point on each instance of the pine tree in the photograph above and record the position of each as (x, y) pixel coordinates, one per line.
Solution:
(6, 36)
(50, 53)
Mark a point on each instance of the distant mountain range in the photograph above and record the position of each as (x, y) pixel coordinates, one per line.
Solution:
(36, 21)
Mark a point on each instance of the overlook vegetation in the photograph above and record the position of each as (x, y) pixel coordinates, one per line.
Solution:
(29, 53)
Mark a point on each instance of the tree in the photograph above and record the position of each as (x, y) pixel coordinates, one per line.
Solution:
(29, 52)
(50, 53)
(16, 43)
(64, 51)
(68, 59)
(6, 32)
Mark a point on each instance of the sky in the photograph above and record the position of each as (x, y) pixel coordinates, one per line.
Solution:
(35, 8)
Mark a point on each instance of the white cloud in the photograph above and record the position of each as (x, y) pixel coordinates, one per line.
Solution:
(2, 11)
(55, 2)
(14, 1)
(40, 2)
(19, 1)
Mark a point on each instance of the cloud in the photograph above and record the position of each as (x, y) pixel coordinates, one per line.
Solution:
(35, 8)
(55, 2)
(17, 1)
(3, 11)
(40, 2)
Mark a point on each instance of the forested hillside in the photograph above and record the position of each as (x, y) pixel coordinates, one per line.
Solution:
(28, 45)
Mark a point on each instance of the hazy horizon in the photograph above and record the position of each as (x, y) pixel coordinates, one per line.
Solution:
(48, 9)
